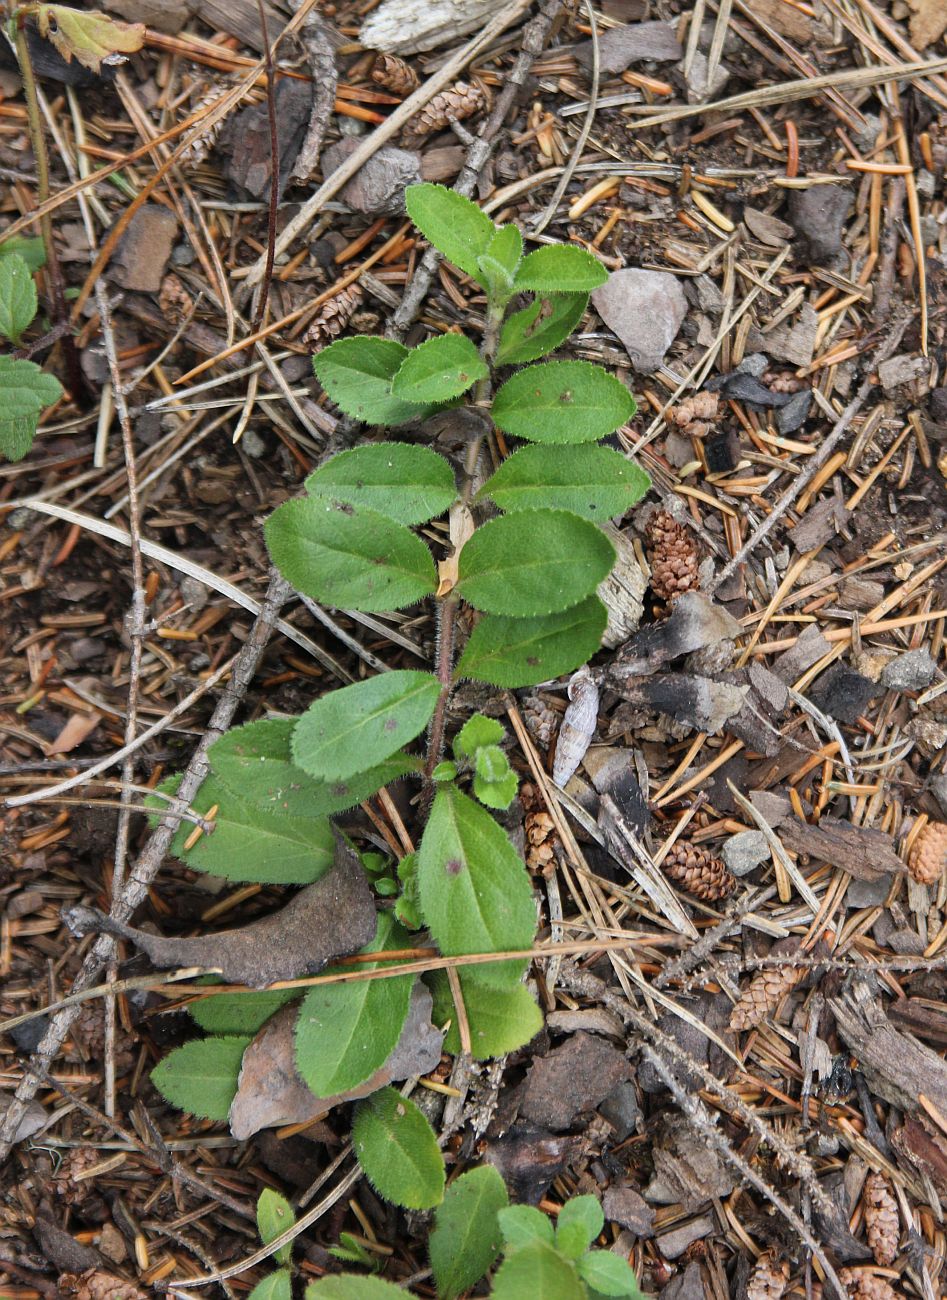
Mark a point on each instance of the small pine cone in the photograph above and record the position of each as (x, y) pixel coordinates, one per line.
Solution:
(769, 1278)
(68, 1181)
(541, 721)
(698, 871)
(539, 831)
(332, 318)
(201, 147)
(882, 1221)
(695, 415)
(927, 860)
(461, 100)
(866, 1286)
(173, 299)
(763, 995)
(394, 74)
(673, 557)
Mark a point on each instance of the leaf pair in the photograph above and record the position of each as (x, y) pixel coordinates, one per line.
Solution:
(274, 1215)
(556, 1263)
(25, 389)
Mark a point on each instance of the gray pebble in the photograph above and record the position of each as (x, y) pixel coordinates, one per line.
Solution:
(911, 671)
(745, 851)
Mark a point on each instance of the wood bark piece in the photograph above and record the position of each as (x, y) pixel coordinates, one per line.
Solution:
(864, 853)
(241, 18)
(622, 592)
(331, 918)
(695, 623)
(408, 26)
(699, 702)
(896, 1067)
(316, 37)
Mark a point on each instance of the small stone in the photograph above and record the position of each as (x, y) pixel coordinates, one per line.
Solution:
(701, 87)
(903, 369)
(144, 249)
(819, 214)
(745, 852)
(631, 43)
(911, 671)
(867, 893)
(645, 309)
(754, 364)
(572, 1079)
(843, 694)
(625, 1206)
(673, 1244)
(622, 1111)
(939, 405)
(795, 413)
(379, 185)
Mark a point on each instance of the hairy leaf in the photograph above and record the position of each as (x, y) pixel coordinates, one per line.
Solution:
(560, 268)
(256, 762)
(525, 651)
(498, 793)
(274, 1215)
(248, 842)
(475, 893)
(363, 724)
(406, 483)
(498, 264)
(502, 1016)
(540, 328)
(349, 556)
(357, 373)
(201, 1077)
(609, 1274)
(451, 223)
(466, 1236)
(579, 1223)
(521, 1225)
(345, 1032)
(30, 248)
(442, 368)
(538, 1271)
(88, 36)
(533, 562)
(353, 1286)
(477, 731)
(594, 482)
(17, 297)
(398, 1151)
(275, 1286)
(25, 391)
(239, 1014)
(562, 401)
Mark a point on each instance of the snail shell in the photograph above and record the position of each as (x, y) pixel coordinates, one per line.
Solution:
(578, 725)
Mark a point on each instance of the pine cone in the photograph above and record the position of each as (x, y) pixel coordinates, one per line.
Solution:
(394, 74)
(695, 415)
(461, 100)
(698, 871)
(69, 1182)
(673, 557)
(882, 1221)
(541, 721)
(927, 860)
(539, 830)
(173, 299)
(198, 149)
(866, 1286)
(332, 317)
(769, 1278)
(96, 1284)
(763, 995)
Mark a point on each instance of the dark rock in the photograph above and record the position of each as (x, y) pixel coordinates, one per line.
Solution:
(246, 139)
(163, 15)
(795, 413)
(939, 405)
(379, 185)
(842, 693)
(819, 214)
(741, 387)
(144, 249)
(911, 671)
(572, 1079)
(622, 1111)
(625, 1206)
(29, 1035)
(673, 1244)
(528, 1158)
(808, 650)
(722, 451)
(688, 1286)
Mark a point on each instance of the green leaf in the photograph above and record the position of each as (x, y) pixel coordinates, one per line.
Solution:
(353, 1286)
(349, 556)
(540, 327)
(525, 651)
(477, 730)
(594, 482)
(275, 1286)
(523, 1225)
(364, 723)
(357, 373)
(491, 763)
(201, 1077)
(408, 484)
(25, 392)
(538, 1271)
(562, 401)
(345, 1032)
(466, 1236)
(496, 794)
(609, 1274)
(560, 268)
(442, 368)
(248, 842)
(498, 264)
(451, 223)
(446, 771)
(398, 1151)
(502, 1017)
(255, 762)
(475, 893)
(533, 562)
(17, 297)
(239, 1014)
(89, 37)
(274, 1215)
(580, 1221)
(408, 906)
(32, 250)
(16, 435)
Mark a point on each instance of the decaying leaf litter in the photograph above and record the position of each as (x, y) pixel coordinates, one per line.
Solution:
(747, 1067)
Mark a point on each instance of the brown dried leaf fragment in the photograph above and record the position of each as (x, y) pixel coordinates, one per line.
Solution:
(331, 918)
(698, 871)
(769, 1279)
(672, 554)
(394, 74)
(927, 860)
(90, 37)
(882, 1221)
(459, 101)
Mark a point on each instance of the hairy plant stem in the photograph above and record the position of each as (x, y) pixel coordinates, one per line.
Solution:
(446, 615)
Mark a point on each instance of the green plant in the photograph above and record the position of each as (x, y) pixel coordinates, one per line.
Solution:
(25, 389)
(527, 579)
(274, 1215)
